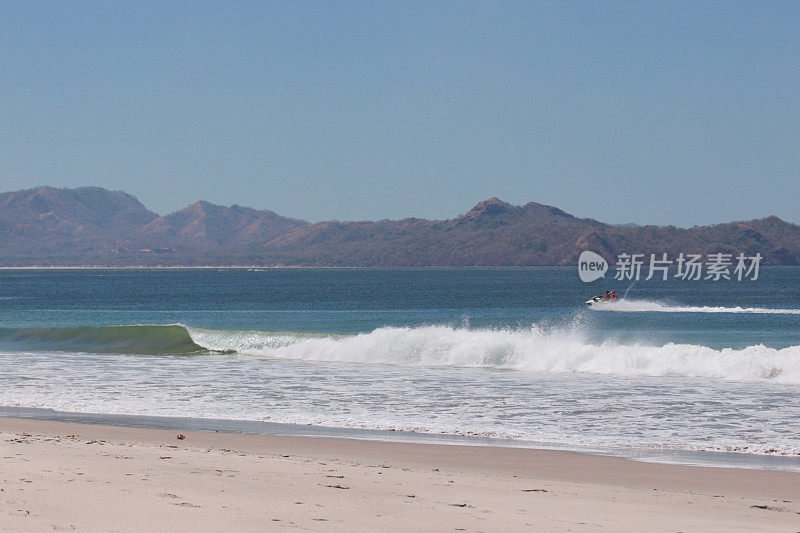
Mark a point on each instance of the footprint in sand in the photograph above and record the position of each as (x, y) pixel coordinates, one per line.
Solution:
(176, 497)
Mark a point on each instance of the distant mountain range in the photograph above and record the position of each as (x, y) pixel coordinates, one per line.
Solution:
(91, 226)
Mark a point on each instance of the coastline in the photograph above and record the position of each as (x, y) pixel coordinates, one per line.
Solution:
(703, 458)
(63, 475)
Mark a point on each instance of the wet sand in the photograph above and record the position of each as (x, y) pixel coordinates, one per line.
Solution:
(65, 476)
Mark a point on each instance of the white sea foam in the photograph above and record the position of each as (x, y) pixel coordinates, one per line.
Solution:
(534, 349)
(559, 408)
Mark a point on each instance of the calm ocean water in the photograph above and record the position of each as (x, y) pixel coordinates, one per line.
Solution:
(499, 353)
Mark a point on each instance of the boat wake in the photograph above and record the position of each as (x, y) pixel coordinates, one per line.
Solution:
(649, 306)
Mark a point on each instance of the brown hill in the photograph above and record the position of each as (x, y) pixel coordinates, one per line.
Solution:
(495, 233)
(205, 226)
(93, 226)
(49, 221)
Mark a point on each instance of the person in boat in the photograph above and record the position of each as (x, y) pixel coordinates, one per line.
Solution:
(608, 295)
(613, 295)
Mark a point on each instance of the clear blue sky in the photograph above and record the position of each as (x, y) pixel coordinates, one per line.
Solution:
(673, 112)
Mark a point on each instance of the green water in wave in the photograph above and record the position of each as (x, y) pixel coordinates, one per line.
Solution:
(155, 340)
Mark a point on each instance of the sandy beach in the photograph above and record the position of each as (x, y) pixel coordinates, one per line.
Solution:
(59, 476)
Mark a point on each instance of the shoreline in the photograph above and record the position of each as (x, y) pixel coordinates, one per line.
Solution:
(66, 475)
(666, 456)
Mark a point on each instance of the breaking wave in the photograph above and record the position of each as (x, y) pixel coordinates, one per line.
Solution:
(533, 349)
(155, 340)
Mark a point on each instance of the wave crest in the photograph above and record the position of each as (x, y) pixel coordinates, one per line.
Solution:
(534, 349)
(154, 340)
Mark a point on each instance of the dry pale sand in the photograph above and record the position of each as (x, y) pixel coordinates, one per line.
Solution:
(101, 478)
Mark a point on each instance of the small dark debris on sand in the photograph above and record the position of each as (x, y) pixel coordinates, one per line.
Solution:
(768, 507)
